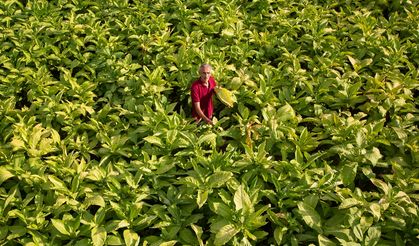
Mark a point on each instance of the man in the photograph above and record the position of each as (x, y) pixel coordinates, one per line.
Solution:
(201, 93)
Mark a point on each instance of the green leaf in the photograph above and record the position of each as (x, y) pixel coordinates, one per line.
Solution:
(208, 138)
(373, 155)
(381, 184)
(349, 202)
(171, 136)
(3, 231)
(186, 235)
(60, 226)
(348, 174)
(375, 209)
(11, 195)
(114, 240)
(373, 236)
(131, 238)
(279, 233)
(202, 197)
(360, 138)
(35, 136)
(218, 179)
(98, 236)
(198, 232)
(310, 216)
(168, 243)
(221, 209)
(285, 113)
(242, 200)
(154, 140)
(17, 144)
(299, 155)
(324, 241)
(57, 183)
(399, 240)
(4, 174)
(94, 200)
(357, 230)
(16, 232)
(225, 234)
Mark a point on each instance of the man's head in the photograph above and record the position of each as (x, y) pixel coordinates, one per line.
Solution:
(205, 72)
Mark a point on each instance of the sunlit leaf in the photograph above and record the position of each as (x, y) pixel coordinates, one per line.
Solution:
(4, 174)
(349, 172)
(373, 236)
(98, 236)
(310, 216)
(225, 234)
(218, 179)
(60, 226)
(154, 140)
(242, 200)
(324, 241)
(201, 197)
(131, 238)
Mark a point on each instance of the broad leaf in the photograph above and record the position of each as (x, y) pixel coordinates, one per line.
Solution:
(349, 202)
(98, 236)
(94, 200)
(375, 209)
(201, 197)
(225, 234)
(373, 236)
(324, 241)
(154, 140)
(310, 216)
(131, 238)
(242, 200)
(373, 155)
(218, 179)
(60, 226)
(4, 174)
(348, 174)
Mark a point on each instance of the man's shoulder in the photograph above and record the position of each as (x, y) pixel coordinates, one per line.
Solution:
(212, 81)
(195, 83)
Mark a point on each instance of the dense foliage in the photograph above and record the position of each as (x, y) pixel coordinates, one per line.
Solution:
(97, 146)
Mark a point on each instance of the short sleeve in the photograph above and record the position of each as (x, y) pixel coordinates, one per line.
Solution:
(213, 80)
(195, 94)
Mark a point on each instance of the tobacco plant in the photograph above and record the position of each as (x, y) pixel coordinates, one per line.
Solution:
(97, 145)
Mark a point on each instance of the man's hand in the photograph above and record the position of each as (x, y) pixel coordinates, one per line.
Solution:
(201, 114)
(209, 122)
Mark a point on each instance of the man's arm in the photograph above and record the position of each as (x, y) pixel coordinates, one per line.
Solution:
(201, 114)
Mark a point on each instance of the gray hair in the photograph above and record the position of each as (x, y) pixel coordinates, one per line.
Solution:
(205, 65)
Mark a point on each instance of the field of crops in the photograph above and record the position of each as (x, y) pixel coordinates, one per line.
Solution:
(97, 145)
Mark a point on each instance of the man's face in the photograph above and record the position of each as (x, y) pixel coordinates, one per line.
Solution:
(205, 73)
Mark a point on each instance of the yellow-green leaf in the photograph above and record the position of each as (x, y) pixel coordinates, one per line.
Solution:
(168, 243)
(60, 226)
(310, 216)
(154, 140)
(131, 238)
(225, 96)
(218, 179)
(94, 200)
(202, 197)
(57, 183)
(375, 210)
(4, 174)
(225, 234)
(349, 202)
(98, 236)
(324, 241)
(242, 200)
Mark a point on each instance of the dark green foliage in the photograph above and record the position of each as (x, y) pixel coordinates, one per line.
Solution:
(97, 146)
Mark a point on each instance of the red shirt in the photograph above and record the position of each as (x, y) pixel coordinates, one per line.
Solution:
(201, 93)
